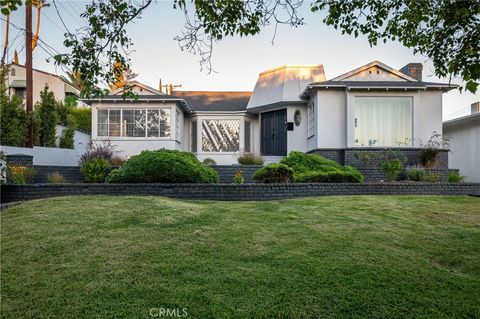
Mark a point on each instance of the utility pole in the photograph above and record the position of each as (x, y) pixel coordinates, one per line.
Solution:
(28, 69)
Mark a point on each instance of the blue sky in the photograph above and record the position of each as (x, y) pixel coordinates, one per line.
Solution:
(237, 60)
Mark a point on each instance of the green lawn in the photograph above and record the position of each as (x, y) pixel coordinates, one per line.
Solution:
(326, 257)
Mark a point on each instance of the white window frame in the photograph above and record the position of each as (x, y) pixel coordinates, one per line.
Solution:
(311, 119)
(121, 137)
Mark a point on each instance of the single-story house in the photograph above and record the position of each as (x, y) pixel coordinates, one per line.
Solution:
(464, 133)
(292, 108)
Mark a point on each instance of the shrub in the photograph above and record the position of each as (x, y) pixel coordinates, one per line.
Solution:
(250, 159)
(55, 178)
(67, 140)
(238, 177)
(274, 173)
(46, 117)
(103, 149)
(163, 166)
(209, 161)
(19, 174)
(347, 176)
(83, 118)
(94, 170)
(302, 163)
(117, 161)
(428, 154)
(14, 121)
(416, 174)
(392, 168)
(3, 168)
(455, 177)
(313, 168)
(432, 177)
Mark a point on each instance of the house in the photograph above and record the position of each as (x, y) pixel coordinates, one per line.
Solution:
(60, 86)
(292, 108)
(465, 143)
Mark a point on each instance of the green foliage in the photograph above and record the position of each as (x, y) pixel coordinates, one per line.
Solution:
(392, 167)
(238, 177)
(83, 118)
(444, 31)
(163, 166)
(348, 175)
(13, 118)
(250, 159)
(20, 174)
(46, 118)
(432, 177)
(416, 174)
(209, 161)
(455, 177)
(95, 170)
(313, 168)
(55, 178)
(375, 159)
(67, 139)
(65, 108)
(274, 173)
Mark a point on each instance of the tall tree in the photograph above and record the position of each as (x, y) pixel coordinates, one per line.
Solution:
(46, 118)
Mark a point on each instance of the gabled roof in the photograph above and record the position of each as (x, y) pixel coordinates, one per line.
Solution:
(364, 73)
(62, 78)
(143, 87)
(215, 101)
(284, 84)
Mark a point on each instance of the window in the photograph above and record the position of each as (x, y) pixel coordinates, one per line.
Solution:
(194, 136)
(311, 119)
(133, 123)
(220, 135)
(383, 121)
(177, 125)
(248, 139)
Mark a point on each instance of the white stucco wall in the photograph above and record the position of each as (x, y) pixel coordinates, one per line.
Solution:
(330, 111)
(465, 149)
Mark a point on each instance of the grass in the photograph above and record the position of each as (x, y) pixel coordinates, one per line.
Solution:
(327, 257)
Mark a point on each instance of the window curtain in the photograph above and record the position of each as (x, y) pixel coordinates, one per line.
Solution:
(383, 121)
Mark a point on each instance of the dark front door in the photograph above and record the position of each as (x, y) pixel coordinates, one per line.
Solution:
(274, 133)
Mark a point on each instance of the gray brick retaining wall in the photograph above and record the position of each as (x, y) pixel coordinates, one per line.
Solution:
(226, 172)
(15, 193)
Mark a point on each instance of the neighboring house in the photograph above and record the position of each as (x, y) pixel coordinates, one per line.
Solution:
(60, 86)
(465, 143)
(292, 108)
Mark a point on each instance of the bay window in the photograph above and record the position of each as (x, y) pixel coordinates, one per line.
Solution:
(133, 122)
(383, 121)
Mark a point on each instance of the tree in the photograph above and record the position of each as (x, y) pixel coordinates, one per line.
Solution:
(13, 118)
(46, 118)
(67, 139)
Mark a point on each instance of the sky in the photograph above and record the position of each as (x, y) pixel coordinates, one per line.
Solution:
(237, 61)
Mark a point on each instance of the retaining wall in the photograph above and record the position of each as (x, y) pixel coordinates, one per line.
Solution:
(15, 193)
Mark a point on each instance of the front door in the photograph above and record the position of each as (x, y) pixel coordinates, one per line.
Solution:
(274, 133)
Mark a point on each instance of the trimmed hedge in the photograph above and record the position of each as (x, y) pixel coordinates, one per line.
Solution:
(163, 166)
(313, 168)
(274, 173)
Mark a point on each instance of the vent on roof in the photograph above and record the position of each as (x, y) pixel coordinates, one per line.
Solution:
(413, 70)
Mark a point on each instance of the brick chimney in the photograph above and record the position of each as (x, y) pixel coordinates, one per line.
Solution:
(413, 70)
(476, 107)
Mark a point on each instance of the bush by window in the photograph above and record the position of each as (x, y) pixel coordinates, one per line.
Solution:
(250, 159)
(163, 166)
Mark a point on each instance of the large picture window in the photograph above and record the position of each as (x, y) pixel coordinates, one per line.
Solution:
(383, 121)
(133, 123)
(220, 135)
